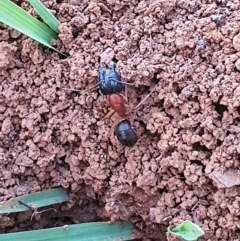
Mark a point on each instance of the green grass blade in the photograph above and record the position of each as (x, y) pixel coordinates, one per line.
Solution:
(38, 199)
(45, 14)
(15, 17)
(97, 231)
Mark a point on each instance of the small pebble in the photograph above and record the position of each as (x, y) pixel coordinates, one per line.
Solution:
(201, 43)
(180, 43)
(237, 64)
(194, 4)
(236, 42)
(217, 18)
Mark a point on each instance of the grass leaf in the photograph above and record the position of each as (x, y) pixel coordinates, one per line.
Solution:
(17, 18)
(45, 14)
(97, 231)
(38, 199)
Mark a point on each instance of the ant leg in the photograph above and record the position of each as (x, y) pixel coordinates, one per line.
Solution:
(109, 114)
(104, 101)
(145, 97)
(125, 94)
(125, 97)
(125, 87)
(113, 126)
(109, 137)
(131, 120)
(111, 111)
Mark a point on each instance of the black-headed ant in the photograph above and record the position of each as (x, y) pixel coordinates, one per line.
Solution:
(110, 84)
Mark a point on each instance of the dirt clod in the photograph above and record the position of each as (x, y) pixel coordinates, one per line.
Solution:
(185, 164)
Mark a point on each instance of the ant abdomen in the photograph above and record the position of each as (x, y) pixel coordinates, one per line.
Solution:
(125, 133)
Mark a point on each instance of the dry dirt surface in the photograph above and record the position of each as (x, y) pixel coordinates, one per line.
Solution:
(186, 164)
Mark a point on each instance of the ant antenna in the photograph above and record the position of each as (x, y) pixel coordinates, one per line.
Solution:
(145, 97)
(126, 83)
(83, 90)
(68, 89)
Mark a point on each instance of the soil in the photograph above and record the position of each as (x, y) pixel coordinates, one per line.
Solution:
(186, 163)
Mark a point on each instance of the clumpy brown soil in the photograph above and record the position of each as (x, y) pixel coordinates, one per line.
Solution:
(186, 163)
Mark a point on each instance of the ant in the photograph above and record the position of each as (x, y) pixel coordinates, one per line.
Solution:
(110, 85)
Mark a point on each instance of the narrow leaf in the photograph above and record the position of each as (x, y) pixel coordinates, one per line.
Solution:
(15, 17)
(36, 200)
(45, 14)
(97, 231)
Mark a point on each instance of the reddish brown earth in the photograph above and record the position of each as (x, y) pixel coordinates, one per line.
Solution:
(186, 163)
